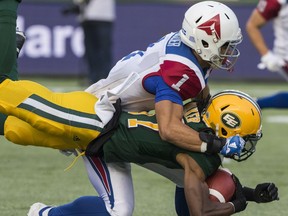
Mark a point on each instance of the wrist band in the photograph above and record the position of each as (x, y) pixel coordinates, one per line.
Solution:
(203, 147)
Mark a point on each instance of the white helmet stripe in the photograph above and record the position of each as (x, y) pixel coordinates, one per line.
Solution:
(240, 94)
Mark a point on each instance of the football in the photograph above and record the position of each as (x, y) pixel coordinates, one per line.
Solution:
(221, 185)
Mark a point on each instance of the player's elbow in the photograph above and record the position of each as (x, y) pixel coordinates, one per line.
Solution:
(252, 27)
(249, 27)
(166, 133)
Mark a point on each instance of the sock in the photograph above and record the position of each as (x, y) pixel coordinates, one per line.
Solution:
(83, 206)
(279, 101)
(180, 202)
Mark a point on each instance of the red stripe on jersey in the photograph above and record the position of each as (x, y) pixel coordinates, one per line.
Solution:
(181, 78)
(102, 173)
(269, 9)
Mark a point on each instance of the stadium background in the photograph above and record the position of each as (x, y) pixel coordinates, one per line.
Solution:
(54, 46)
(30, 174)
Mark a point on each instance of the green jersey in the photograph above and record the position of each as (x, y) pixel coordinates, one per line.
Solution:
(137, 140)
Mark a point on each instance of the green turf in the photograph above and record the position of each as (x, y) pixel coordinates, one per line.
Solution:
(30, 174)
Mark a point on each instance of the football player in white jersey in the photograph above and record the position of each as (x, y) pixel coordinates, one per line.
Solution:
(176, 68)
(171, 70)
(275, 60)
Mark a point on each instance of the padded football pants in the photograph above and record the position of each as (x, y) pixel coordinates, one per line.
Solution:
(40, 117)
(113, 183)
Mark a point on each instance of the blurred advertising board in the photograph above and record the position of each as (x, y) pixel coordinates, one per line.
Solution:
(54, 45)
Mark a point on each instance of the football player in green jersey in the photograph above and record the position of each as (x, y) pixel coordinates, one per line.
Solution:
(8, 54)
(136, 140)
(10, 45)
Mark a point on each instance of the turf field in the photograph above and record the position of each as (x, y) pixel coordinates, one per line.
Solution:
(30, 174)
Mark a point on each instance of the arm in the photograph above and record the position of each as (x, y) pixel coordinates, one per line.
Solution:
(169, 114)
(259, 17)
(197, 192)
(253, 26)
(171, 128)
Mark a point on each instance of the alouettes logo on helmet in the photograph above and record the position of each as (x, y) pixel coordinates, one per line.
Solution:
(212, 25)
(230, 120)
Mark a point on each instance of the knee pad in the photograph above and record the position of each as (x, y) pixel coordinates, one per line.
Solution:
(18, 131)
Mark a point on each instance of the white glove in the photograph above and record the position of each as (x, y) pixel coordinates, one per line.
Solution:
(272, 62)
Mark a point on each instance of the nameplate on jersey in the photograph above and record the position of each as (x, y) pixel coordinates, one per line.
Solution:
(175, 41)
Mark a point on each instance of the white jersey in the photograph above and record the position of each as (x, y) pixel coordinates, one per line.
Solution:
(168, 58)
(277, 10)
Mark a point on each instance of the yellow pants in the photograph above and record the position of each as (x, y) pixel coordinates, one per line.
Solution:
(40, 117)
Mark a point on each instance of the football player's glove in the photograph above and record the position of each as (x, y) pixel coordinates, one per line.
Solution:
(238, 200)
(263, 193)
(272, 62)
(266, 192)
(214, 144)
(227, 147)
(234, 145)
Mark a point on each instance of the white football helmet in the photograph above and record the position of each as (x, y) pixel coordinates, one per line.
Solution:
(212, 30)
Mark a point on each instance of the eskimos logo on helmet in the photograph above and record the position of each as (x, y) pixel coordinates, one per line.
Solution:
(230, 120)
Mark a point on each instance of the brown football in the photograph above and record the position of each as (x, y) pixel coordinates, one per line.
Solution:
(221, 185)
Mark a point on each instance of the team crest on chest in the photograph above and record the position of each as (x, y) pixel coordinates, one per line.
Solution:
(230, 120)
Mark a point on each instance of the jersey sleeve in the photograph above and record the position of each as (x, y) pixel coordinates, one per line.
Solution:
(156, 85)
(182, 79)
(269, 9)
